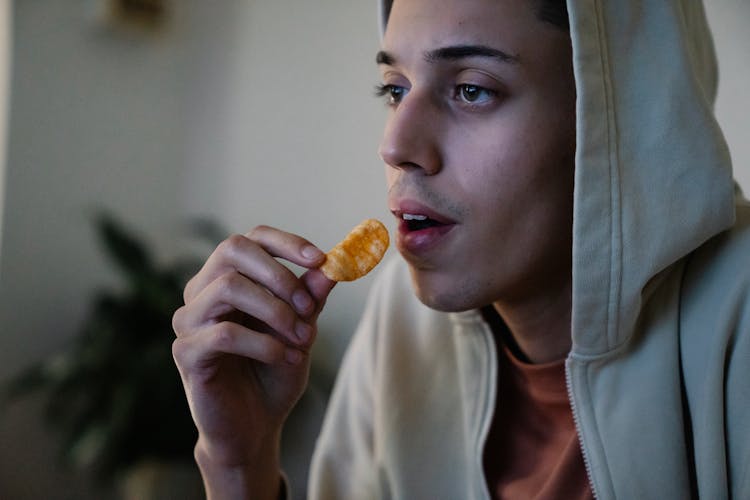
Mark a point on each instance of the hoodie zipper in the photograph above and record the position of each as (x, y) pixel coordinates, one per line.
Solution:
(577, 423)
(486, 407)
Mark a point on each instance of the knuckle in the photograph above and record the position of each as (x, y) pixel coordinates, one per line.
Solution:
(231, 246)
(279, 282)
(281, 312)
(178, 321)
(187, 291)
(222, 336)
(190, 290)
(228, 284)
(179, 349)
(257, 231)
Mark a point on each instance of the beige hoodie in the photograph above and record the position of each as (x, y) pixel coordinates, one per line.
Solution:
(659, 372)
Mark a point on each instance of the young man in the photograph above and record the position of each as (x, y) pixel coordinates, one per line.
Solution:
(582, 325)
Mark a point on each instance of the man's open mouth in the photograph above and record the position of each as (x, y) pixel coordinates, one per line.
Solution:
(417, 222)
(420, 228)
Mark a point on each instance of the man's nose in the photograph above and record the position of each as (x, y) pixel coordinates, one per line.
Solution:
(410, 140)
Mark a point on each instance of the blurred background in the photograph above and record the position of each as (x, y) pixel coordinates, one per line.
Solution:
(182, 120)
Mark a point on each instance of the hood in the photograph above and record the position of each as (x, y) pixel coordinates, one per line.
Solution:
(653, 174)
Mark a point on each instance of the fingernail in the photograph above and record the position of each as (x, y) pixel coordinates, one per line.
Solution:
(293, 356)
(302, 301)
(303, 331)
(310, 252)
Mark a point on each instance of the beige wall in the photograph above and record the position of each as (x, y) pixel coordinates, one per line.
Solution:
(242, 110)
(5, 51)
(730, 20)
(94, 120)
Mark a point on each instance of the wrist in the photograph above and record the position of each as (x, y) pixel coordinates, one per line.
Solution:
(257, 478)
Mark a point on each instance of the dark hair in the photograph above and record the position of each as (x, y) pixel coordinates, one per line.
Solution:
(554, 12)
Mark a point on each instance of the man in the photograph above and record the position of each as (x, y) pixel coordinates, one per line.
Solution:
(568, 218)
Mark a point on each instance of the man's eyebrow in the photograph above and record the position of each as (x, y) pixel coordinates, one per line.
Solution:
(454, 52)
(461, 51)
(384, 57)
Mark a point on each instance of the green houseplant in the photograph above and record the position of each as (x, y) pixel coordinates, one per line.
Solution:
(114, 396)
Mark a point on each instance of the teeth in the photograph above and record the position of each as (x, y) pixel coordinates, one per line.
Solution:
(414, 217)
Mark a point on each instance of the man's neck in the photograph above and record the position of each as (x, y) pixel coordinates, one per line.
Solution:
(540, 328)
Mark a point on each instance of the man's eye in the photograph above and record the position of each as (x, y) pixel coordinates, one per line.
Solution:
(392, 93)
(473, 94)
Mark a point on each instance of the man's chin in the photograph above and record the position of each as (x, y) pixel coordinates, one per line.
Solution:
(444, 294)
(443, 306)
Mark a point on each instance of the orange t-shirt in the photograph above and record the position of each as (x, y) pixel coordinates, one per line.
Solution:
(532, 451)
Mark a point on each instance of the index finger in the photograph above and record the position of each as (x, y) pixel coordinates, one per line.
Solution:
(253, 255)
(287, 246)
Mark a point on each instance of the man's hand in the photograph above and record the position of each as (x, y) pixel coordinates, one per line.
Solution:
(242, 350)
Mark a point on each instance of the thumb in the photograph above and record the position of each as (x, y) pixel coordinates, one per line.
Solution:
(319, 287)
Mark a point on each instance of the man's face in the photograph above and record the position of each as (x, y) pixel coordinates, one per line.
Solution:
(480, 139)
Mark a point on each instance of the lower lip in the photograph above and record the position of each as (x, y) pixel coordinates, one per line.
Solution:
(423, 240)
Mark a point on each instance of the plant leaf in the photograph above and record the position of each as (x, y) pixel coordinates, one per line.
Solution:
(126, 251)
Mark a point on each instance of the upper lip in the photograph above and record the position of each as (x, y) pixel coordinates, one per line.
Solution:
(414, 207)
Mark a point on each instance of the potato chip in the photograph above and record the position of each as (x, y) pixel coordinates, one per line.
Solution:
(358, 253)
